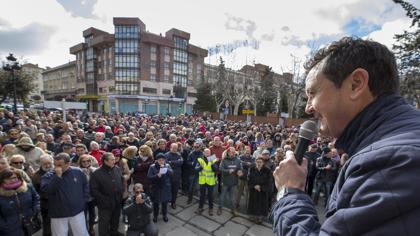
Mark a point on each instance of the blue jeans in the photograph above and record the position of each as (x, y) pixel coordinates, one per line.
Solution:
(229, 192)
(326, 187)
(203, 189)
(192, 184)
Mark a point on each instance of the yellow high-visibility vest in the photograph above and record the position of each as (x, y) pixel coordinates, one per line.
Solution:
(206, 176)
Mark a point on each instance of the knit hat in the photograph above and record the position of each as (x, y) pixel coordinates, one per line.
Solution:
(25, 141)
(160, 155)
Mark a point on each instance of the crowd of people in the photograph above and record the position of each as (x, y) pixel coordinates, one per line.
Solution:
(134, 166)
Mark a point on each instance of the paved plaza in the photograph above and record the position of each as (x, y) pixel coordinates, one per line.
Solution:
(183, 221)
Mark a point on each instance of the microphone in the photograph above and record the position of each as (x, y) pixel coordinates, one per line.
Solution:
(308, 131)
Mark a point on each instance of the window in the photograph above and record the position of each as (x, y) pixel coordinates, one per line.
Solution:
(126, 46)
(181, 43)
(125, 61)
(192, 95)
(180, 80)
(180, 68)
(149, 90)
(153, 49)
(166, 91)
(167, 57)
(166, 78)
(180, 56)
(153, 77)
(127, 31)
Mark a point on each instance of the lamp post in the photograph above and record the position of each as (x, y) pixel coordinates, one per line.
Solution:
(11, 66)
(170, 100)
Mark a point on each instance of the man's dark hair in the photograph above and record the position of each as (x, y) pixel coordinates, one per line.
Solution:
(342, 57)
(62, 156)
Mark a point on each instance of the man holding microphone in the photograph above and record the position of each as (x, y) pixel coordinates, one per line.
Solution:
(352, 88)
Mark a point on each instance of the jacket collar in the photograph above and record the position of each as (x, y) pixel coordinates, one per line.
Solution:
(363, 129)
(9, 193)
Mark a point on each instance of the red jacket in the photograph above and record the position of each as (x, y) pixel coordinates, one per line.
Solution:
(97, 154)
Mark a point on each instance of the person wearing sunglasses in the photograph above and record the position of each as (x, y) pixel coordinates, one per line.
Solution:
(18, 162)
(19, 203)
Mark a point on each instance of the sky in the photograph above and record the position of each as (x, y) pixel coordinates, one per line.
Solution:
(277, 33)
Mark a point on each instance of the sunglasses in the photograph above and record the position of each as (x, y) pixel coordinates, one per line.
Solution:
(17, 162)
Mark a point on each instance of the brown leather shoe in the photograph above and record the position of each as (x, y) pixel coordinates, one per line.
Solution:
(210, 211)
(219, 211)
(173, 205)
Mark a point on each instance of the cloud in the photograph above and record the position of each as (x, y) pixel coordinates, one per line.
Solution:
(268, 37)
(292, 40)
(242, 25)
(79, 8)
(30, 39)
(285, 28)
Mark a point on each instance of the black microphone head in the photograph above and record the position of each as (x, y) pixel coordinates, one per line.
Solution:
(308, 130)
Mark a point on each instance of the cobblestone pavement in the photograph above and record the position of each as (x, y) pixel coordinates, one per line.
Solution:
(183, 221)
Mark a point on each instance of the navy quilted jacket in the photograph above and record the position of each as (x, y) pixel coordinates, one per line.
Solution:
(377, 191)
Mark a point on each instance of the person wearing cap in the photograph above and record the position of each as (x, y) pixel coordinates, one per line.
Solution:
(312, 155)
(26, 148)
(160, 175)
(206, 167)
(67, 190)
(69, 149)
(326, 174)
(230, 169)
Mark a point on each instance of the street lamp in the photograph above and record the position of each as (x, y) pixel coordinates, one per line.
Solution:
(11, 66)
(170, 100)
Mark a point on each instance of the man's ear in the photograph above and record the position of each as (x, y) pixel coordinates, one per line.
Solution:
(359, 83)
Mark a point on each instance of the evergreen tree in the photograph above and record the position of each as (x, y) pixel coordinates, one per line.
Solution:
(205, 101)
(267, 97)
(407, 51)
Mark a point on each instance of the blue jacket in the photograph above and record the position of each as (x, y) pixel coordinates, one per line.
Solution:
(10, 224)
(377, 190)
(68, 194)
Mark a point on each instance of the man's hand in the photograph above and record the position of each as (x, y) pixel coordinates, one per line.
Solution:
(58, 171)
(159, 175)
(328, 167)
(240, 173)
(289, 174)
(139, 199)
(258, 188)
(231, 171)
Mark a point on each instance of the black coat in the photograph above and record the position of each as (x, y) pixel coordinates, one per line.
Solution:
(258, 201)
(138, 214)
(107, 186)
(160, 187)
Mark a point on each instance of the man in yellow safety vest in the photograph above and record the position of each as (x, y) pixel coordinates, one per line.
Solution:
(206, 167)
